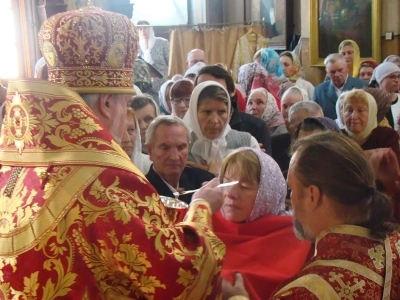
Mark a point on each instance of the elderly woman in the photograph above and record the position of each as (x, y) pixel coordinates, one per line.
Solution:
(351, 52)
(155, 51)
(164, 98)
(212, 139)
(131, 143)
(313, 125)
(262, 104)
(295, 72)
(360, 121)
(387, 77)
(146, 110)
(253, 75)
(293, 95)
(254, 226)
(366, 70)
(270, 60)
(180, 94)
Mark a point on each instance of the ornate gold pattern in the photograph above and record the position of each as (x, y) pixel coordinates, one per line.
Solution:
(19, 122)
(90, 50)
(389, 270)
(350, 266)
(349, 230)
(12, 181)
(347, 291)
(315, 284)
(84, 219)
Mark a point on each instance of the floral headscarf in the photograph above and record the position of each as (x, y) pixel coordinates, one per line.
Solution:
(297, 70)
(271, 114)
(253, 75)
(271, 61)
(270, 199)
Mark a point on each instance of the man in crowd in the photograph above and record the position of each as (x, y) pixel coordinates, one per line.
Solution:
(167, 142)
(327, 93)
(336, 206)
(79, 221)
(281, 143)
(195, 56)
(301, 110)
(239, 121)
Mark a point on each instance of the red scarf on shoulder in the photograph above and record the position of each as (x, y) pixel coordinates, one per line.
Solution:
(265, 251)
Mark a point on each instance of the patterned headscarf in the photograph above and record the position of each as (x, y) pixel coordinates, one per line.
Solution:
(253, 75)
(271, 114)
(271, 61)
(297, 70)
(383, 101)
(270, 199)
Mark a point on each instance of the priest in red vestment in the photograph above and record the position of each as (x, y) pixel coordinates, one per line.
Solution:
(77, 219)
(337, 206)
(258, 234)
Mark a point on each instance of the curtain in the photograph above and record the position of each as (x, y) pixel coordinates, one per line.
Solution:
(219, 44)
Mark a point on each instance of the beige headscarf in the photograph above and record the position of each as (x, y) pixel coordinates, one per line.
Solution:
(372, 122)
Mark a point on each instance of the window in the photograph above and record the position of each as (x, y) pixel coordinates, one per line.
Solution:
(8, 48)
(161, 12)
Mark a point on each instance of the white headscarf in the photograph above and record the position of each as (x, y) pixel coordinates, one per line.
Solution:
(161, 95)
(303, 92)
(146, 49)
(203, 148)
(372, 122)
(141, 161)
(339, 120)
(194, 70)
(384, 70)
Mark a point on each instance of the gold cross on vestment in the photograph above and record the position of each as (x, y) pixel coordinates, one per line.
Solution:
(377, 255)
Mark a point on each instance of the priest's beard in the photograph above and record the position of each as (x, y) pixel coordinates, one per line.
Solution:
(300, 232)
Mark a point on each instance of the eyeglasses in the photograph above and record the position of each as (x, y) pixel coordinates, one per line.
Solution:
(394, 77)
(179, 100)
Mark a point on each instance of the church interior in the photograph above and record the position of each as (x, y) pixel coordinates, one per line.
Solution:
(299, 23)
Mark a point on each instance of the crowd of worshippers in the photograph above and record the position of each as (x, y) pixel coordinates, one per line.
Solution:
(323, 159)
(191, 132)
(271, 106)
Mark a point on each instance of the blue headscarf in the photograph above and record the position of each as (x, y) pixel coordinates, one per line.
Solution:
(270, 60)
